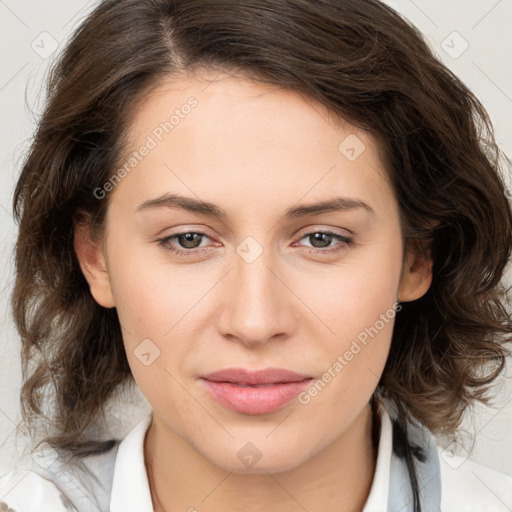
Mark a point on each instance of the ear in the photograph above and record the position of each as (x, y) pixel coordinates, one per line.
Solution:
(92, 262)
(417, 274)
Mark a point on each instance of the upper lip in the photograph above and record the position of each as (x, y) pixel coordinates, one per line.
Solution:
(254, 377)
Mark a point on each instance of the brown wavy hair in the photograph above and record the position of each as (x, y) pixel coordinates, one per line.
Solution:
(367, 65)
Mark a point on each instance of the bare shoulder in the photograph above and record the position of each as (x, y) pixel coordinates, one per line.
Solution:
(26, 491)
(471, 487)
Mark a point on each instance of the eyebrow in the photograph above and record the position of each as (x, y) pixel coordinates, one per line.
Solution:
(211, 210)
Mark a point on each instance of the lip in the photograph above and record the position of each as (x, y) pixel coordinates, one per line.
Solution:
(254, 392)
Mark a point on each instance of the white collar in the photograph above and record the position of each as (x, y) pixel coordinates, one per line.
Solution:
(380, 484)
(130, 487)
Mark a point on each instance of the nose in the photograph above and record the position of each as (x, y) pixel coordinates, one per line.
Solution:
(258, 306)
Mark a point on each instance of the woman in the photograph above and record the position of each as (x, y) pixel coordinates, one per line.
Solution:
(285, 223)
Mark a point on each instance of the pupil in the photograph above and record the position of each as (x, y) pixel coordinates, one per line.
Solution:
(189, 239)
(319, 237)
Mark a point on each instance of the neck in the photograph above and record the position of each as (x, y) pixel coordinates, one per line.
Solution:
(337, 478)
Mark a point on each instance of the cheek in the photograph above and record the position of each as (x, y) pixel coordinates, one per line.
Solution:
(160, 306)
(151, 294)
(360, 311)
(354, 294)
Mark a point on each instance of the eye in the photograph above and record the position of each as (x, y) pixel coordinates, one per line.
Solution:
(190, 241)
(324, 239)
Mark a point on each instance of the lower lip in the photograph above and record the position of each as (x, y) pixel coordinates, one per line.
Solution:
(254, 400)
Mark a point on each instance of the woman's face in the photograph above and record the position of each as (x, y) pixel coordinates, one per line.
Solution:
(261, 286)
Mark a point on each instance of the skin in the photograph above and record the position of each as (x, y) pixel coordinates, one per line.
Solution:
(255, 150)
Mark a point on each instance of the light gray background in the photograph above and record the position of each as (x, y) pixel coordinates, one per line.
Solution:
(30, 29)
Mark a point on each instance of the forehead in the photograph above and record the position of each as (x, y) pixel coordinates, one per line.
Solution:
(223, 102)
(213, 134)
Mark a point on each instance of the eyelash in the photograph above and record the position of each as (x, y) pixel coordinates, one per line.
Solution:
(164, 243)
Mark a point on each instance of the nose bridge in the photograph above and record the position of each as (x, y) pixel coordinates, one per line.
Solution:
(255, 281)
(258, 308)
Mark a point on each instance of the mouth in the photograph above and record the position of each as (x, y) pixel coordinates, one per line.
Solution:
(254, 392)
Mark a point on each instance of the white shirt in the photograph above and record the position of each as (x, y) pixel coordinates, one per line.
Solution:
(118, 481)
